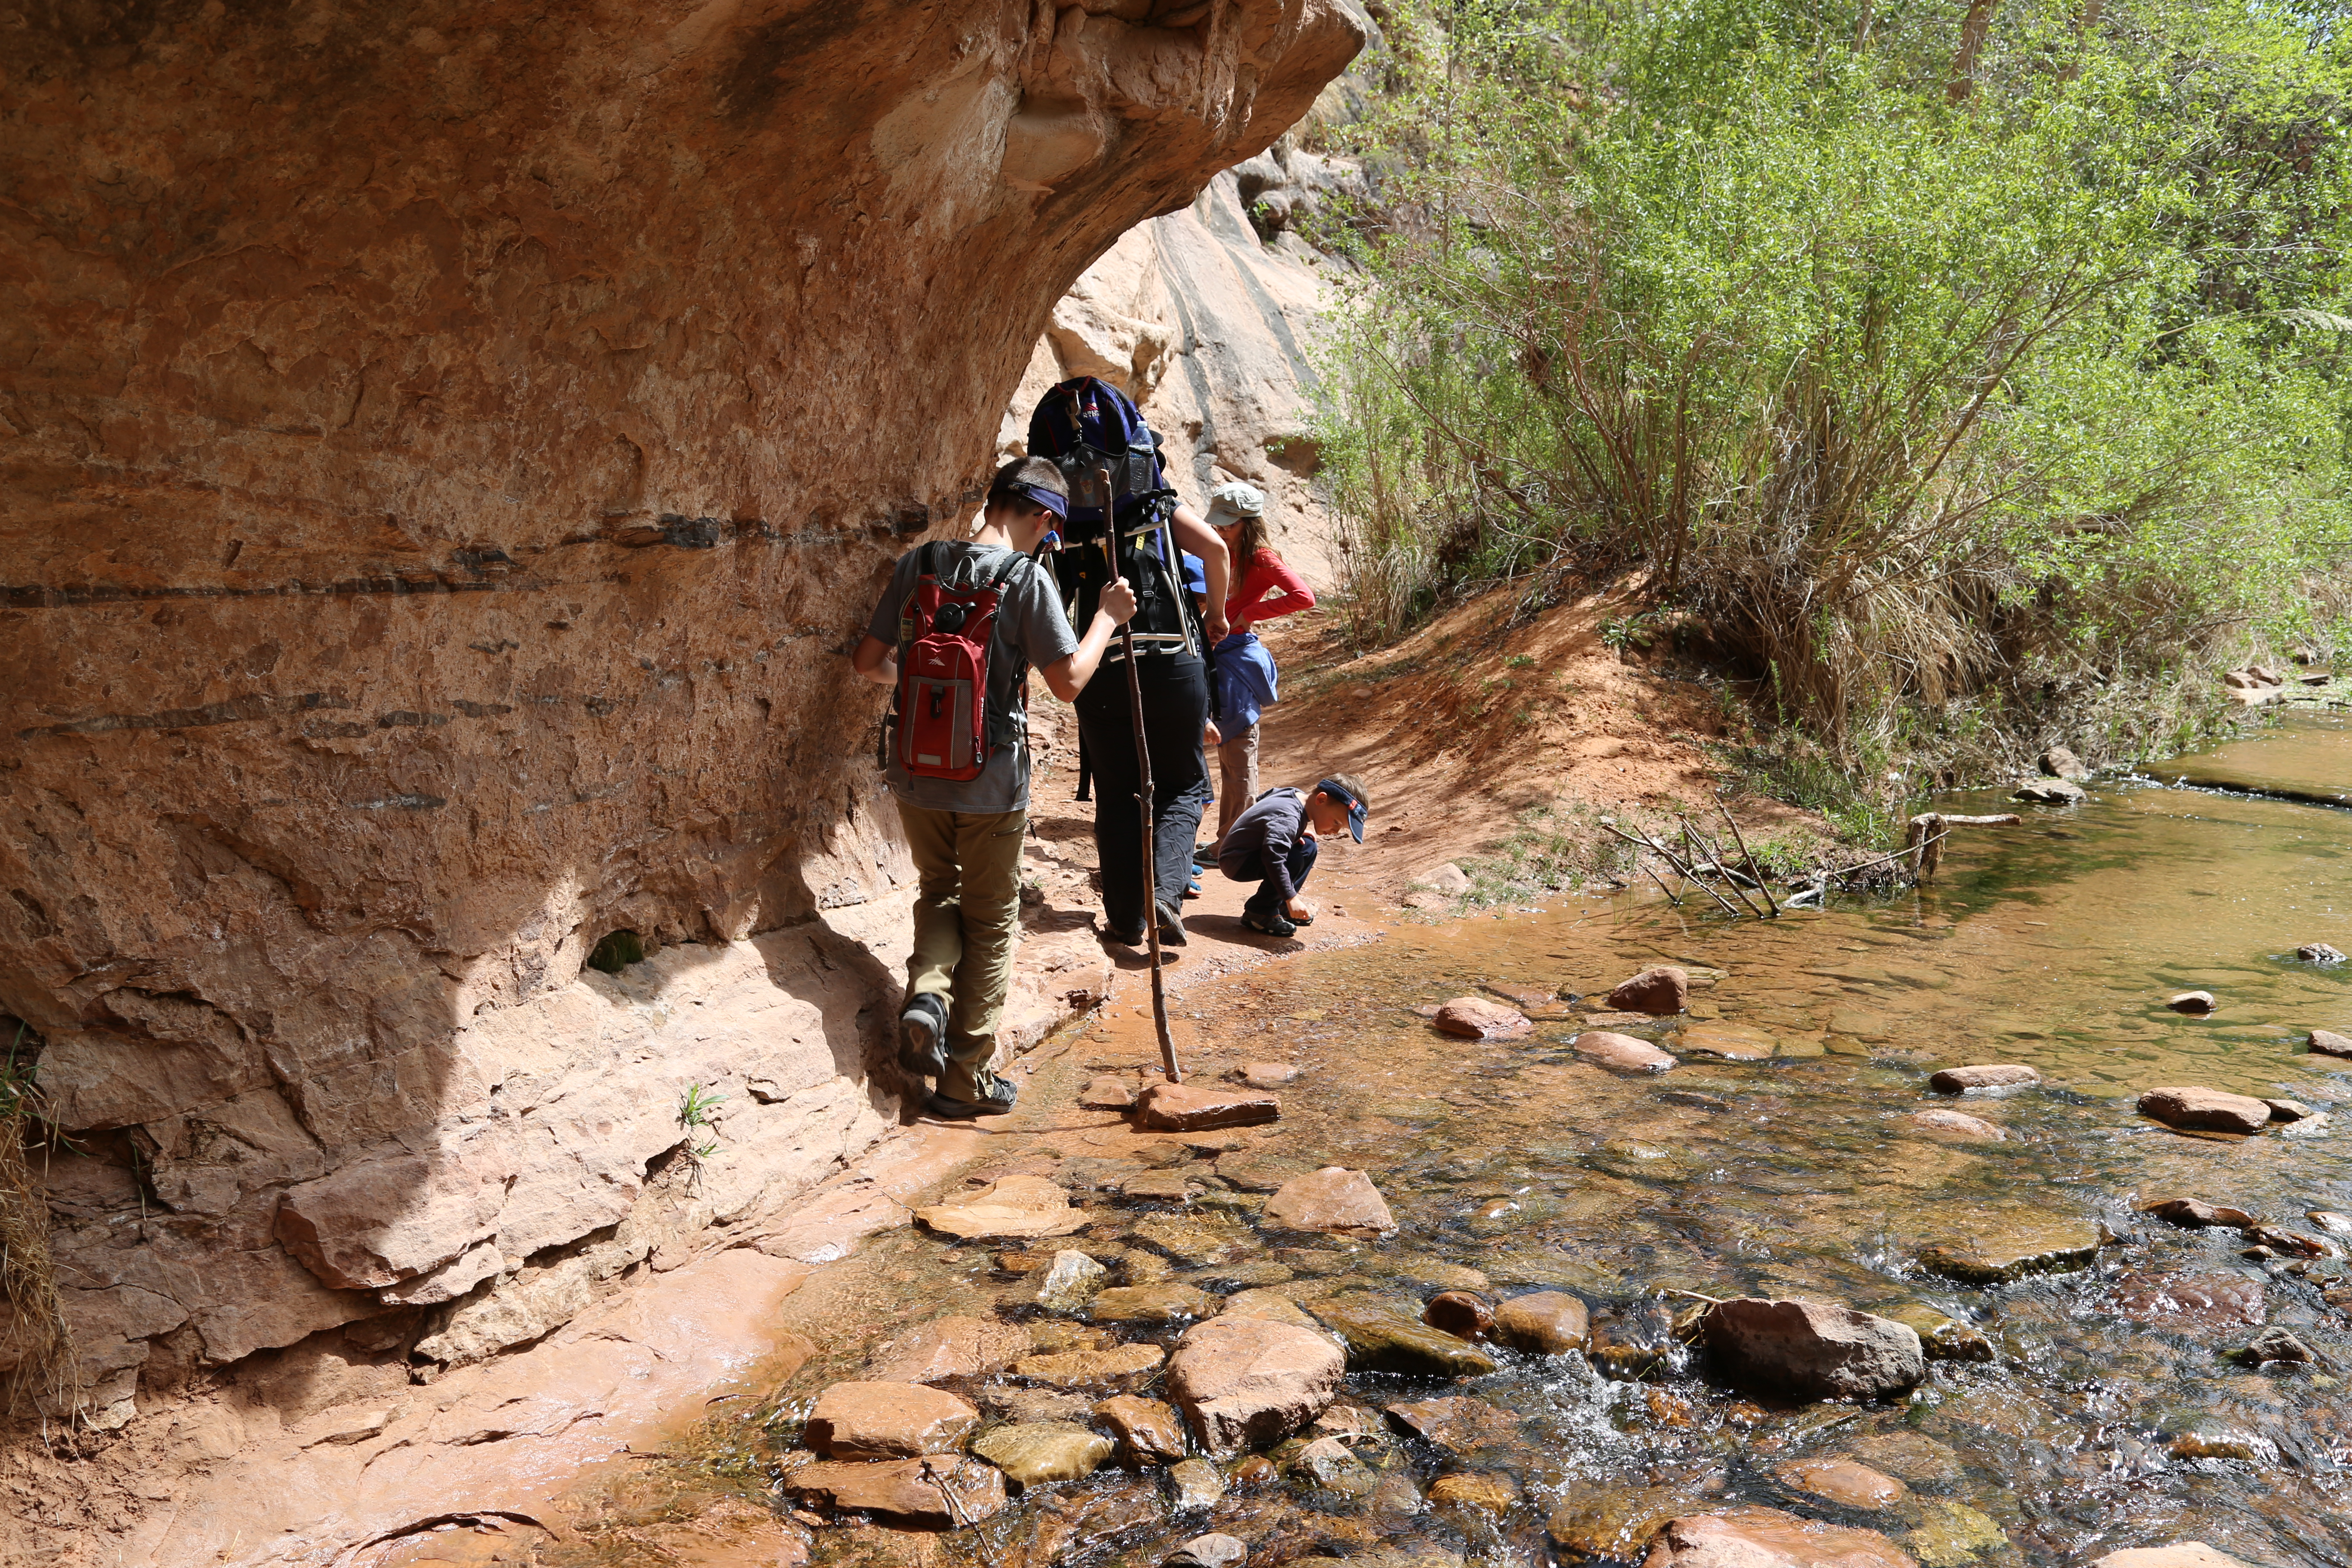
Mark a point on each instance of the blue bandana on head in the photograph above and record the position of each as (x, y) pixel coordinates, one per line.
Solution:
(1042, 496)
(1356, 809)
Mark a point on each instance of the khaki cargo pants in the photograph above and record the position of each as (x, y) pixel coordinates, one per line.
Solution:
(966, 919)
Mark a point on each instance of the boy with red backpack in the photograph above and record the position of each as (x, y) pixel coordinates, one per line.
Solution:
(955, 634)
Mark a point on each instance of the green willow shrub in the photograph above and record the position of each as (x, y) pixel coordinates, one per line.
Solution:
(1917, 396)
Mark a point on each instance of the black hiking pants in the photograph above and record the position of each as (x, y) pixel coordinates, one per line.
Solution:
(1175, 708)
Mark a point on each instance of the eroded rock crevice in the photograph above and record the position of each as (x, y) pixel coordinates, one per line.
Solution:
(448, 452)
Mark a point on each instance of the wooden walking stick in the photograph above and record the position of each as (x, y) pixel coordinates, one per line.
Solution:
(1143, 791)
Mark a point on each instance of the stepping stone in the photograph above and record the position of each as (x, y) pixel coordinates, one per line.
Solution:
(1812, 1350)
(1998, 1075)
(2193, 1214)
(2199, 1109)
(1334, 1201)
(2190, 1002)
(1267, 1075)
(1071, 1282)
(1108, 1093)
(1461, 1423)
(2180, 1554)
(889, 1421)
(1212, 1551)
(2049, 792)
(1185, 1108)
(1244, 1383)
(1271, 1305)
(2328, 1043)
(2318, 952)
(1767, 1538)
(1725, 1042)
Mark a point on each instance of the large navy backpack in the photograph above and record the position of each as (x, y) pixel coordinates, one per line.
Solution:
(1086, 425)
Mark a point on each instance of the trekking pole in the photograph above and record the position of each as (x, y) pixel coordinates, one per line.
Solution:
(1142, 793)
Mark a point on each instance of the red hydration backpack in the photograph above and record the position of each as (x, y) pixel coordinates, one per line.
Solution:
(939, 727)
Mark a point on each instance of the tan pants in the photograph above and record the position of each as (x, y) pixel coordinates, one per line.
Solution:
(1236, 778)
(967, 918)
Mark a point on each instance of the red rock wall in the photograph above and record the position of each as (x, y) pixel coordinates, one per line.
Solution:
(448, 451)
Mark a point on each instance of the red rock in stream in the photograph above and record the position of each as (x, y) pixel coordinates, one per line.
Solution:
(1182, 1108)
(1992, 1075)
(889, 1421)
(1548, 1322)
(908, 1488)
(2192, 1002)
(2188, 1301)
(2199, 1109)
(1477, 1018)
(1245, 1383)
(1661, 991)
(1812, 1350)
(1621, 1053)
(1465, 1314)
(2328, 1043)
(1767, 1538)
(950, 1347)
(1333, 1200)
(1935, 1118)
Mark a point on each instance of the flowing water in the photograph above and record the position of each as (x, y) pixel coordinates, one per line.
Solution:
(2110, 1412)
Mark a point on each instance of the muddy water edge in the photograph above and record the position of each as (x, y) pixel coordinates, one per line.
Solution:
(2095, 1399)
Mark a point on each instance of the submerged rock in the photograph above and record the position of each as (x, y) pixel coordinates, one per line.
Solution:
(1489, 1493)
(889, 1421)
(1072, 1281)
(1335, 1201)
(1384, 1339)
(1943, 1336)
(1042, 1452)
(2049, 792)
(906, 1488)
(2193, 1214)
(1149, 1430)
(950, 1347)
(1082, 1369)
(1993, 1248)
(1211, 1550)
(2192, 1002)
(1249, 1382)
(2179, 1555)
(1271, 1305)
(1548, 1322)
(1477, 1018)
(2199, 1109)
(1185, 1108)
(1621, 1053)
(1992, 1075)
(1726, 1042)
(1767, 1538)
(1950, 1535)
(1198, 1484)
(1327, 1464)
(1107, 1092)
(1460, 1423)
(1914, 1456)
(1957, 1124)
(1841, 1480)
(1016, 1206)
(2275, 1344)
(2199, 1300)
(1167, 1303)
(1812, 1350)
(1661, 991)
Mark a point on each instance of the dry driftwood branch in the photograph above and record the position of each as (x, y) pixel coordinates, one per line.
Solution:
(1763, 883)
(1925, 839)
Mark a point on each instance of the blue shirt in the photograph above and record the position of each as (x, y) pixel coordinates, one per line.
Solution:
(1246, 682)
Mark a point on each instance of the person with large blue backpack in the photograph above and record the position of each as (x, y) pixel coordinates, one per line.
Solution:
(1139, 532)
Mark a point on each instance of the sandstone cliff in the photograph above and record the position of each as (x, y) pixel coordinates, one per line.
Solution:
(448, 450)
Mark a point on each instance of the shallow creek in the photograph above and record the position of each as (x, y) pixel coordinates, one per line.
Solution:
(2109, 1412)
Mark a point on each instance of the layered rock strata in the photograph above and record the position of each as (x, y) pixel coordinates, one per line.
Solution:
(449, 453)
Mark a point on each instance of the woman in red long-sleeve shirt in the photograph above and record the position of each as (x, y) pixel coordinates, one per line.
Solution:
(1263, 588)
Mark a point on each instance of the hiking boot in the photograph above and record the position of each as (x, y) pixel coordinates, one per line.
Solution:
(922, 1035)
(1205, 854)
(1272, 925)
(1125, 939)
(1001, 1096)
(1171, 927)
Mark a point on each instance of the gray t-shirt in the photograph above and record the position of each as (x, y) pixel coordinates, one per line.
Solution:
(1031, 630)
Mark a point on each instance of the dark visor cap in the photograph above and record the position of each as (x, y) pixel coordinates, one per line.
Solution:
(1036, 495)
(1338, 792)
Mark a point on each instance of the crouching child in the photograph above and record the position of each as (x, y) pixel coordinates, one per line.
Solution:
(1274, 843)
(955, 634)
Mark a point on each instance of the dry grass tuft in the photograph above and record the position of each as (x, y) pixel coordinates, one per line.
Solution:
(35, 1353)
